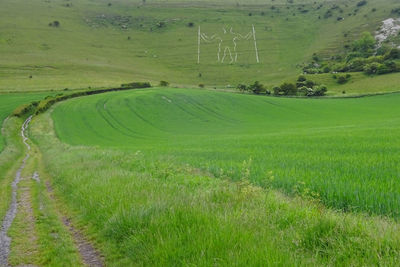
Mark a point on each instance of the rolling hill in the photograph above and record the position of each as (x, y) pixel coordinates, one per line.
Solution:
(106, 43)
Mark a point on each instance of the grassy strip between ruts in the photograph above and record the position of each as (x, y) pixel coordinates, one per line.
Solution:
(10, 157)
(153, 212)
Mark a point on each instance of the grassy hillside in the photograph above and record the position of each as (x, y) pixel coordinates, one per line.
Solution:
(97, 44)
(343, 151)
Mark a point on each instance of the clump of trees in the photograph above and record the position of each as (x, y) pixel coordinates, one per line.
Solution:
(362, 57)
(255, 88)
(302, 87)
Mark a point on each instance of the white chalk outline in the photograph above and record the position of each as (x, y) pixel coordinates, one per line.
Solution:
(227, 50)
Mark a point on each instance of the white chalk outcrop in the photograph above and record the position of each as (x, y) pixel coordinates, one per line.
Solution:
(390, 27)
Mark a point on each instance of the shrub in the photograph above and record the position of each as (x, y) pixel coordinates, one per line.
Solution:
(362, 3)
(304, 90)
(371, 68)
(393, 54)
(190, 24)
(55, 23)
(320, 90)
(161, 24)
(201, 85)
(326, 69)
(301, 78)
(25, 109)
(310, 83)
(257, 87)
(288, 89)
(242, 87)
(164, 83)
(135, 85)
(365, 45)
(342, 79)
(276, 90)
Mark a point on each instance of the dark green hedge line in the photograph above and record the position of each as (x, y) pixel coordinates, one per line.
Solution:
(43, 105)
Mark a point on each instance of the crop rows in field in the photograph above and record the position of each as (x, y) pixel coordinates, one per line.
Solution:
(342, 151)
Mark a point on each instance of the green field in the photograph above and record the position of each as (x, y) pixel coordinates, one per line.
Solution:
(345, 150)
(91, 45)
(168, 177)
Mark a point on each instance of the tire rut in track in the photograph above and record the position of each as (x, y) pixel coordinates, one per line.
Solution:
(90, 256)
(5, 240)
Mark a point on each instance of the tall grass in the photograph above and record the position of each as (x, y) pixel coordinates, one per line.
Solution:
(147, 211)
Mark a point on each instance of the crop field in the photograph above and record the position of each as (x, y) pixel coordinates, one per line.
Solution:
(179, 177)
(345, 151)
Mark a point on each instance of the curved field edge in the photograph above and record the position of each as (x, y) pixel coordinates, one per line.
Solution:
(341, 151)
(8, 102)
(154, 212)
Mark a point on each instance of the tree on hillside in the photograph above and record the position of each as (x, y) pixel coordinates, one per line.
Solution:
(365, 45)
(257, 87)
(288, 89)
(242, 87)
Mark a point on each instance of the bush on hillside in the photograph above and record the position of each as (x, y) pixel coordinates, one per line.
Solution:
(363, 57)
(362, 3)
(135, 85)
(242, 87)
(164, 83)
(55, 23)
(257, 88)
(342, 79)
(288, 89)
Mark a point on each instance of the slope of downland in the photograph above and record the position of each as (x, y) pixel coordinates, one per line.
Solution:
(125, 41)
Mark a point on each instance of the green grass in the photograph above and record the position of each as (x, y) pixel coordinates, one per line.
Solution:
(44, 239)
(344, 150)
(9, 102)
(91, 49)
(147, 210)
(9, 164)
(359, 84)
